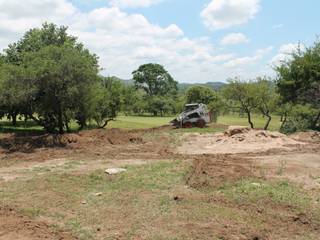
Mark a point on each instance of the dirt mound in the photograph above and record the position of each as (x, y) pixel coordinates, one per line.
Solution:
(25, 143)
(237, 140)
(18, 227)
(214, 171)
(310, 136)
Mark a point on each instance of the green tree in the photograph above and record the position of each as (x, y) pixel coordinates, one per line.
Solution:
(60, 77)
(242, 96)
(108, 97)
(160, 88)
(298, 79)
(267, 98)
(200, 94)
(38, 38)
(154, 80)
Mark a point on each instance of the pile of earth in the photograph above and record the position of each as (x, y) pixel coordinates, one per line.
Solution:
(310, 136)
(217, 170)
(19, 227)
(27, 143)
(237, 140)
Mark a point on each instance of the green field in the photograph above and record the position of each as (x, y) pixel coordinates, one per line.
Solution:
(140, 122)
(134, 122)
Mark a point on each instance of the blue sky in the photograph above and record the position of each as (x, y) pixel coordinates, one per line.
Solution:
(196, 40)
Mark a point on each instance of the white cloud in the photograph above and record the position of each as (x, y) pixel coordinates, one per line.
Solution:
(243, 61)
(221, 14)
(285, 53)
(133, 3)
(234, 38)
(123, 41)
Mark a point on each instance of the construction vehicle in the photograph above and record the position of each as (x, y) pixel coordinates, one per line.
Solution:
(194, 115)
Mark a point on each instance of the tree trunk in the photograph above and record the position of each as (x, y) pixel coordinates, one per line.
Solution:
(106, 123)
(315, 122)
(268, 122)
(60, 122)
(66, 123)
(249, 119)
(14, 119)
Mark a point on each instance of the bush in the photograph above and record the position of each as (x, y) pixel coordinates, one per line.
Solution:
(300, 119)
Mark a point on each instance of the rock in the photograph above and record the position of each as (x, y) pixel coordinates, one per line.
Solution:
(98, 194)
(256, 184)
(112, 171)
(177, 198)
(84, 202)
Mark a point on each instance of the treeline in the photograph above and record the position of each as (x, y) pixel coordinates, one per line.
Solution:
(52, 79)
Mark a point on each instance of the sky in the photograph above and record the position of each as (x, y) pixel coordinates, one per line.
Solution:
(195, 40)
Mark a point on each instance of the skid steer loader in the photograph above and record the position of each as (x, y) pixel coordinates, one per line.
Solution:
(194, 115)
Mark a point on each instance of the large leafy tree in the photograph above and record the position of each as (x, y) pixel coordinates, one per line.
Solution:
(298, 79)
(50, 77)
(154, 80)
(159, 86)
(61, 76)
(200, 94)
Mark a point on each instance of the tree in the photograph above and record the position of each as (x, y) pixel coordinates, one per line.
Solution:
(267, 97)
(154, 80)
(108, 99)
(298, 79)
(36, 39)
(59, 77)
(200, 94)
(242, 96)
(18, 92)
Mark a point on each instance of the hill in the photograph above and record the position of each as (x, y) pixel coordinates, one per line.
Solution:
(184, 86)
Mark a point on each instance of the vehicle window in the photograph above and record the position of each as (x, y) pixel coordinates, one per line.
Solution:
(194, 115)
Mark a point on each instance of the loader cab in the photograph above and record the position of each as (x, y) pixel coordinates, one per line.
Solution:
(191, 107)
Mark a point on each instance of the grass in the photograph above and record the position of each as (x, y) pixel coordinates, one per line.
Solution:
(137, 122)
(140, 122)
(258, 120)
(139, 203)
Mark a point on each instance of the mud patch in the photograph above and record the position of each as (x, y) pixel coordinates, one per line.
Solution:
(29, 143)
(18, 227)
(214, 171)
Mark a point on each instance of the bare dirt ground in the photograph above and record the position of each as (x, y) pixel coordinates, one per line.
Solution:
(15, 226)
(215, 160)
(262, 153)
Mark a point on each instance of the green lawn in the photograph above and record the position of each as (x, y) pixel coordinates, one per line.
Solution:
(139, 122)
(259, 121)
(136, 122)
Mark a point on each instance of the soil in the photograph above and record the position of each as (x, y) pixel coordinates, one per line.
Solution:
(216, 170)
(217, 158)
(15, 226)
(237, 140)
(242, 152)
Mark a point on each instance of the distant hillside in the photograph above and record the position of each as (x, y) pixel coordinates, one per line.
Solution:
(214, 85)
(184, 86)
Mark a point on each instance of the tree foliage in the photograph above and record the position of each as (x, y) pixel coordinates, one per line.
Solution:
(50, 77)
(154, 80)
(200, 94)
(298, 79)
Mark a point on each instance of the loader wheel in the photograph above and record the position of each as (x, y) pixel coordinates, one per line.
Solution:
(200, 123)
(187, 125)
